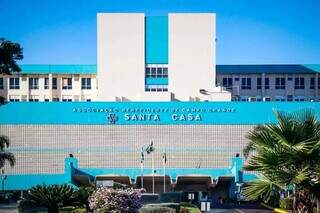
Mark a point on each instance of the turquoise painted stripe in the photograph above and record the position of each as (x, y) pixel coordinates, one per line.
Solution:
(58, 69)
(156, 81)
(157, 40)
(146, 113)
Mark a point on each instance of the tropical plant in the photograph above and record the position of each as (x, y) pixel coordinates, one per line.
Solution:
(53, 196)
(113, 201)
(287, 156)
(5, 156)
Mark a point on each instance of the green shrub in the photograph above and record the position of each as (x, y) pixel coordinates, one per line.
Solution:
(286, 203)
(174, 206)
(52, 196)
(187, 204)
(159, 209)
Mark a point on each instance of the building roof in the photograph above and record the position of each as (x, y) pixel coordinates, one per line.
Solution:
(221, 69)
(268, 69)
(58, 69)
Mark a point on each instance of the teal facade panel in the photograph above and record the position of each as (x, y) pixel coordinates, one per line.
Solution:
(147, 113)
(156, 81)
(58, 69)
(156, 39)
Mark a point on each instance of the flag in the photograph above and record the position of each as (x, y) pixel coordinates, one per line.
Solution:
(164, 158)
(142, 156)
(150, 148)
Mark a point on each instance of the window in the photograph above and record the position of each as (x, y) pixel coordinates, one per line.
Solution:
(289, 78)
(14, 83)
(280, 83)
(227, 82)
(1, 83)
(319, 83)
(34, 99)
(67, 99)
(299, 83)
(245, 83)
(236, 79)
(165, 72)
(46, 100)
(148, 72)
(33, 83)
(54, 83)
(266, 83)
(259, 83)
(88, 100)
(46, 83)
(153, 72)
(67, 83)
(156, 72)
(312, 83)
(14, 98)
(55, 99)
(86, 83)
(290, 98)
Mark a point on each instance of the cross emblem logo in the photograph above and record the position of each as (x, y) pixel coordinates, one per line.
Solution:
(112, 118)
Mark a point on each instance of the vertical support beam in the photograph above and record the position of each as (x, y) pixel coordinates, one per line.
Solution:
(70, 163)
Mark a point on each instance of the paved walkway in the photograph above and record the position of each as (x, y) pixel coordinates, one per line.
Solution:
(9, 208)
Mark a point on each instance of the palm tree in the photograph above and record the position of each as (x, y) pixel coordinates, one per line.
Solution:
(4, 155)
(286, 155)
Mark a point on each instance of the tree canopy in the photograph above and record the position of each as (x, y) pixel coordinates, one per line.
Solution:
(10, 52)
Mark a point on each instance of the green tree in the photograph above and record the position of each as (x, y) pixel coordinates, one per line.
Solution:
(5, 156)
(287, 156)
(9, 53)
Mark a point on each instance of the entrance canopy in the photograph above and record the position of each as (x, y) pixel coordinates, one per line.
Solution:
(194, 183)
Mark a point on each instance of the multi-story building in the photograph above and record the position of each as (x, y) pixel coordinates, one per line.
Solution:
(270, 82)
(244, 82)
(155, 79)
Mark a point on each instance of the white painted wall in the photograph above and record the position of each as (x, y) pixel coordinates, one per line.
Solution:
(121, 56)
(192, 56)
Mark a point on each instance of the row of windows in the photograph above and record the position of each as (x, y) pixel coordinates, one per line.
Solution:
(156, 72)
(280, 83)
(14, 83)
(14, 99)
(277, 98)
(156, 88)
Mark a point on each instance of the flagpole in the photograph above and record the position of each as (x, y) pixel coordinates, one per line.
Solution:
(153, 173)
(141, 174)
(142, 159)
(164, 177)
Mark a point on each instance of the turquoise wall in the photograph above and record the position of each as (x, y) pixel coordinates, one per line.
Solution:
(147, 113)
(157, 40)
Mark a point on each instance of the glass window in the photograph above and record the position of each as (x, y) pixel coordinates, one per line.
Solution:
(153, 72)
(14, 83)
(245, 83)
(299, 83)
(33, 100)
(1, 83)
(165, 72)
(55, 99)
(156, 88)
(312, 83)
(319, 83)
(33, 83)
(46, 83)
(67, 83)
(259, 83)
(148, 72)
(227, 82)
(54, 83)
(266, 83)
(280, 83)
(86, 83)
